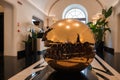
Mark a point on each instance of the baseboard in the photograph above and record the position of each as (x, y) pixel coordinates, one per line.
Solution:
(109, 50)
(21, 54)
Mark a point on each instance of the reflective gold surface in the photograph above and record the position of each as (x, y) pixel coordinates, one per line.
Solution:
(72, 64)
(66, 30)
(70, 46)
(69, 57)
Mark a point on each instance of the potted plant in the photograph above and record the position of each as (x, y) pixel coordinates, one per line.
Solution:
(31, 47)
(31, 40)
(99, 28)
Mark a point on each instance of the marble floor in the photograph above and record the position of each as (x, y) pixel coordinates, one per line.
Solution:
(10, 66)
(113, 60)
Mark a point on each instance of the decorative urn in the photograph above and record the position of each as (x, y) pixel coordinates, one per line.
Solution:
(70, 46)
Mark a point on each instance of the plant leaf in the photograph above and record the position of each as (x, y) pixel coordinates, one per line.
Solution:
(103, 12)
(108, 13)
(107, 29)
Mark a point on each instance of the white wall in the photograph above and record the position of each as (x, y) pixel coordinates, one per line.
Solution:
(14, 14)
(113, 38)
(8, 28)
(108, 3)
(114, 25)
(24, 18)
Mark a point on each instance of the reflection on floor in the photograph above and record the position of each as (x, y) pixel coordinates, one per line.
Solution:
(113, 61)
(9, 66)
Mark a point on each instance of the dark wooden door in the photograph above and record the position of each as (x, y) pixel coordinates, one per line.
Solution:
(1, 33)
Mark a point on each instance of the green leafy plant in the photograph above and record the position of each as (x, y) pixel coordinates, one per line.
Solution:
(29, 40)
(31, 35)
(101, 26)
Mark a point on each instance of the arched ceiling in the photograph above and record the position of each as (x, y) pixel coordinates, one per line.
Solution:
(44, 5)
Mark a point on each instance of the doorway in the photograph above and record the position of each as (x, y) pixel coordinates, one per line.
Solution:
(1, 33)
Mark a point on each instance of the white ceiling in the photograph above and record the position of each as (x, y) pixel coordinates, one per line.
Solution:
(44, 5)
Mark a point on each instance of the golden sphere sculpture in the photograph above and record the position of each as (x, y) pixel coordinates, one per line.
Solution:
(70, 46)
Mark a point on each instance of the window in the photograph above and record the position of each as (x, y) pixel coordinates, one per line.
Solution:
(76, 11)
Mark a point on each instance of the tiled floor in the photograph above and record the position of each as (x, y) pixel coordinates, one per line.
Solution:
(9, 66)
